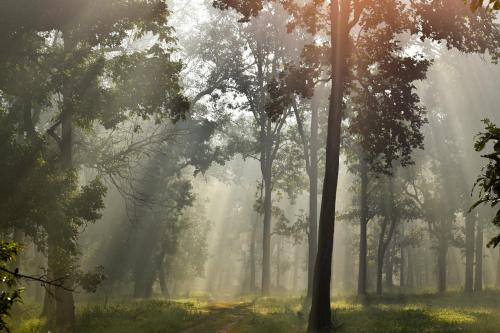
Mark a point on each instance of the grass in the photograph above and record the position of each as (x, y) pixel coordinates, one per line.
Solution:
(424, 313)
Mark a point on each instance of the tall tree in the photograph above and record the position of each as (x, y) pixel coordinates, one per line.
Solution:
(95, 84)
(259, 131)
(345, 17)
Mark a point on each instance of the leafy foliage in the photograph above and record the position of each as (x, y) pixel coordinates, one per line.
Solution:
(9, 293)
(488, 181)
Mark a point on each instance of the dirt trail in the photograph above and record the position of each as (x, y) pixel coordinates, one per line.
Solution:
(224, 318)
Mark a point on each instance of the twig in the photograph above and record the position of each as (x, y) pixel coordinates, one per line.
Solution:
(58, 283)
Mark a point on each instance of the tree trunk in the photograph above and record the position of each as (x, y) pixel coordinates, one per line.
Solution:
(478, 278)
(147, 263)
(143, 282)
(266, 162)
(389, 270)
(49, 302)
(469, 252)
(278, 264)
(497, 282)
(442, 269)
(313, 201)
(266, 239)
(380, 256)
(410, 276)
(362, 276)
(383, 243)
(162, 277)
(320, 314)
(296, 267)
(402, 270)
(61, 261)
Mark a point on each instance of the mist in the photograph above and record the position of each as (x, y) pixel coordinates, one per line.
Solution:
(250, 166)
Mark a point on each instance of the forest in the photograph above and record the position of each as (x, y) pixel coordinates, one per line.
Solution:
(249, 166)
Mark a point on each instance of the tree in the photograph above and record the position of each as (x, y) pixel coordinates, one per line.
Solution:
(309, 140)
(97, 80)
(385, 115)
(260, 131)
(344, 16)
(434, 189)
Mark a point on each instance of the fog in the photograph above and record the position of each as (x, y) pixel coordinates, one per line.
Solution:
(202, 142)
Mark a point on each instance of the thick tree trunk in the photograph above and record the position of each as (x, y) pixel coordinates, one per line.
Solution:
(441, 265)
(469, 252)
(383, 242)
(320, 315)
(362, 276)
(147, 263)
(380, 256)
(478, 278)
(143, 282)
(162, 277)
(410, 276)
(313, 201)
(266, 239)
(389, 270)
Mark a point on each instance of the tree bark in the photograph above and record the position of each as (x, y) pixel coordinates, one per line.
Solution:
(497, 281)
(162, 277)
(478, 278)
(389, 270)
(143, 283)
(266, 239)
(266, 162)
(402, 269)
(383, 243)
(380, 256)
(313, 201)
(320, 314)
(278, 264)
(469, 252)
(362, 276)
(410, 276)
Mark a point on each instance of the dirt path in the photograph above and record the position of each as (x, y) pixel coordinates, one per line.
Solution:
(221, 319)
(231, 324)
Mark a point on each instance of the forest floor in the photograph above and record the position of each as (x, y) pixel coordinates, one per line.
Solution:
(427, 313)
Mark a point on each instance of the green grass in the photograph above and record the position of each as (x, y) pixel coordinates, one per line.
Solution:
(424, 313)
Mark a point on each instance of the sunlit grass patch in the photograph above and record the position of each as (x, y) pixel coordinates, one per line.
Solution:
(32, 325)
(430, 314)
(346, 306)
(138, 316)
(451, 316)
(273, 315)
(389, 314)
